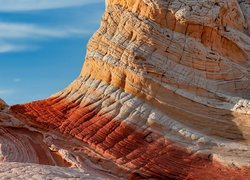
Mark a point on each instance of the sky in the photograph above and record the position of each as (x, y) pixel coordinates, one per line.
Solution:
(43, 44)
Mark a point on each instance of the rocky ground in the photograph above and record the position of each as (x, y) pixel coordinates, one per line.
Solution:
(164, 93)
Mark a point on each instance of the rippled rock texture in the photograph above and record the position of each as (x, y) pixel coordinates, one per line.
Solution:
(164, 93)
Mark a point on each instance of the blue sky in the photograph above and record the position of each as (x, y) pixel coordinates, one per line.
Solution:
(43, 44)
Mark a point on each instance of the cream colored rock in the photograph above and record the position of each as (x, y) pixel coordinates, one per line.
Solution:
(164, 93)
(36, 171)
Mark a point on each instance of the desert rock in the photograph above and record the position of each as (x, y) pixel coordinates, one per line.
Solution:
(164, 93)
(2, 104)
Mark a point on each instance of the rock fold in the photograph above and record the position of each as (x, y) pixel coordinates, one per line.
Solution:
(164, 93)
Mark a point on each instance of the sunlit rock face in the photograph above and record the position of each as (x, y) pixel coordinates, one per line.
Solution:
(164, 93)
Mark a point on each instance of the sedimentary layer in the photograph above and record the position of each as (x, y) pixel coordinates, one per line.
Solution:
(138, 137)
(164, 93)
(35, 171)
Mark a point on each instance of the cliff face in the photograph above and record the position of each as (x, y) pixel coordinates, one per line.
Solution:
(164, 93)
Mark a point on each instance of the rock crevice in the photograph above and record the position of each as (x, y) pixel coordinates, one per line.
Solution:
(164, 93)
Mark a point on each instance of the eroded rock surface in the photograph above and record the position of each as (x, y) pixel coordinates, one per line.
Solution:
(164, 93)
(36, 171)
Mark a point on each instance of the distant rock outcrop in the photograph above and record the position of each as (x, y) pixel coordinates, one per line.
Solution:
(164, 93)
(2, 104)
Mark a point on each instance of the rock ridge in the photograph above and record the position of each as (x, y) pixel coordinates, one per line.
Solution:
(164, 92)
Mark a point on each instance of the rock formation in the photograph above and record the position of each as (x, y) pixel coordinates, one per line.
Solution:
(3, 104)
(164, 93)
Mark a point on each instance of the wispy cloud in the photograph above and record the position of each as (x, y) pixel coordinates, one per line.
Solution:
(30, 5)
(6, 91)
(15, 36)
(18, 30)
(5, 47)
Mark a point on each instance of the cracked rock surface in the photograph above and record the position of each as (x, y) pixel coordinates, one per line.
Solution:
(164, 93)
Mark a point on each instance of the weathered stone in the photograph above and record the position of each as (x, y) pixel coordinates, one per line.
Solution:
(164, 93)
(2, 104)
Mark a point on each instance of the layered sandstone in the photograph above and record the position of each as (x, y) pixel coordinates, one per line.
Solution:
(164, 93)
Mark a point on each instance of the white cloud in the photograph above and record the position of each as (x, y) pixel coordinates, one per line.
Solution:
(29, 5)
(5, 48)
(18, 30)
(6, 91)
(15, 37)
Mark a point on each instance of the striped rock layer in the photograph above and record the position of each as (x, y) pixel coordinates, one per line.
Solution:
(164, 92)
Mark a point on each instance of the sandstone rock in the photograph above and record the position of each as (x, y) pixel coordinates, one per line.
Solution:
(36, 171)
(2, 104)
(164, 92)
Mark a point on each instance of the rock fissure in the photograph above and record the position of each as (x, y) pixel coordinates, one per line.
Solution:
(163, 93)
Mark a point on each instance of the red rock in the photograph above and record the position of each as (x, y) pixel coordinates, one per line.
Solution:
(163, 94)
